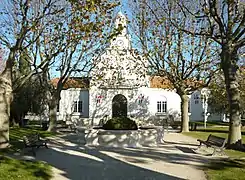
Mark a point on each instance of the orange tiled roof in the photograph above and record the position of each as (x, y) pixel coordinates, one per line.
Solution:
(73, 82)
(160, 82)
(165, 83)
(155, 82)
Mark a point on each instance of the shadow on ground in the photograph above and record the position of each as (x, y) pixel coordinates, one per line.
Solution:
(73, 160)
(78, 162)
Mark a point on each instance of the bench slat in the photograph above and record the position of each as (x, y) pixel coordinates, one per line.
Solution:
(214, 142)
(34, 140)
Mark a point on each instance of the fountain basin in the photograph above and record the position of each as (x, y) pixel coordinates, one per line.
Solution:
(124, 138)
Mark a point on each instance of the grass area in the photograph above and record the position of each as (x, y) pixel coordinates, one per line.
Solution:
(19, 169)
(226, 169)
(211, 123)
(221, 132)
(16, 135)
(232, 168)
(12, 169)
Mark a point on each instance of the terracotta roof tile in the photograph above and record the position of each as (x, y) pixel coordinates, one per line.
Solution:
(73, 82)
(160, 82)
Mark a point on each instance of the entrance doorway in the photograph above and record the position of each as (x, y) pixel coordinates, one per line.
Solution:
(119, 106)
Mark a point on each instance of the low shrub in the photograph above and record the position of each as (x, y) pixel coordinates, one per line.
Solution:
(120, 123)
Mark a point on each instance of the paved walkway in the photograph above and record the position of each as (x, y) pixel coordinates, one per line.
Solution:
(173, 160)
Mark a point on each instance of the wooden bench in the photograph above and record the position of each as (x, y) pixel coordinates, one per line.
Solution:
(34, 141)
(215, 142)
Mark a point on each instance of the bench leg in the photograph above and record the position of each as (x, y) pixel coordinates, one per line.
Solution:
(214, 152)
(33, 151)
(218, 151)
(200, 145)
(222, 152)
(44, 144)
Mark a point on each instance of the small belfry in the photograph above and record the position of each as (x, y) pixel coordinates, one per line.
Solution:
(122, 40)
(121, 21)
(120, 66)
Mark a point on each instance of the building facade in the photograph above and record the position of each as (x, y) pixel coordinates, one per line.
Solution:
(120, 86)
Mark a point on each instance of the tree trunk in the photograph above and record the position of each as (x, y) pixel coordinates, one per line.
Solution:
(12, 118)
(52, 114)
(5, 102)
(229, 66)
(184, 113)
(54, 99)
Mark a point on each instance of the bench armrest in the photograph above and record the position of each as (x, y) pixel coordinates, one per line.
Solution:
(201, 141)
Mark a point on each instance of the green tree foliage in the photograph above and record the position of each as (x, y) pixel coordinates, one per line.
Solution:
(218, 98)
(29, 98)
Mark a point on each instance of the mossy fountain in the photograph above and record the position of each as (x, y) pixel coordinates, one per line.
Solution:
(123, 132)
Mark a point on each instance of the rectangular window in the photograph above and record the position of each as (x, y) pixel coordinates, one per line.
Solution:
(78, 106)
(189, 106)
(161, 106)
(164, 106)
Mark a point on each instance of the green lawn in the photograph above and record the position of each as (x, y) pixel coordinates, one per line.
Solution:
(19, 169)
(227, 169)
(16, 135)
(12, 169)
(232, 168)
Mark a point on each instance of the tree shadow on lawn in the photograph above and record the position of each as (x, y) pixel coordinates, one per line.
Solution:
(212, 130)
(227, 163)
(226, 169)
(216, 131)
(16, 137)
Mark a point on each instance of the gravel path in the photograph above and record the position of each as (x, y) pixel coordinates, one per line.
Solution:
(175, 159)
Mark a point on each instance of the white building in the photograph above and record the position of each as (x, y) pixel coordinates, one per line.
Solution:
(197, 109)
(120, 87)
